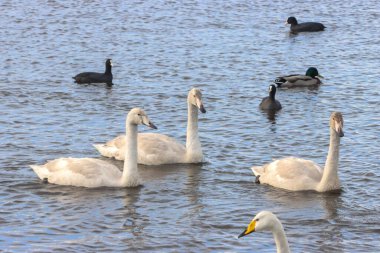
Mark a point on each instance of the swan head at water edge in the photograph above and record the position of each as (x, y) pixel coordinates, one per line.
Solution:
(138, 116)
(263, 221)
(195, 98)
(336, 123)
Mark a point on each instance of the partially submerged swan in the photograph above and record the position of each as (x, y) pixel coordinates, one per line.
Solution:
(296, 174)
(90, 172)
(94, 77)
(270, 103)
(156, 149)
(267, 221)
(296, 27)
(310, 79)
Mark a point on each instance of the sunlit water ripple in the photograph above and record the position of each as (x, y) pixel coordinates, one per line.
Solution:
(161, 49)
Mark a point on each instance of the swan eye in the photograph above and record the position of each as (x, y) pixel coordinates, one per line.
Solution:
(257, 220)
(139, 114)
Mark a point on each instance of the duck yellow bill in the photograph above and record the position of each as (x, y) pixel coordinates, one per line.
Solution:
(250, 229)
(320, 76)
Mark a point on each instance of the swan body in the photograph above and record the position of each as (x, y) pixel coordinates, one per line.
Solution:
(94, 77)
(267, 221)
(296, 174)
(270, 103)
(156, 149)
(296, 27)
(90, 172)
(310, 79)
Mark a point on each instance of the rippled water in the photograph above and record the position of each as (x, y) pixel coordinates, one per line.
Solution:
(161, 49)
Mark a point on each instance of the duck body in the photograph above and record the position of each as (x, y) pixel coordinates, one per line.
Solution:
(296, 27)
(270, 103)
(94, 77)
(310, 79)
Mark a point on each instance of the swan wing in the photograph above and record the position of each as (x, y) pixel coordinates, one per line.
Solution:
(155, 149)
(87, 172)
(290, 173)
(113, 148)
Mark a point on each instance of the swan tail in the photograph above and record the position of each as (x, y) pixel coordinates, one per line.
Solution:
(107, 151)
(41, 171)
(257, 170)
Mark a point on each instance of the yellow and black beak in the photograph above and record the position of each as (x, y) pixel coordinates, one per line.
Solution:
(250, 229)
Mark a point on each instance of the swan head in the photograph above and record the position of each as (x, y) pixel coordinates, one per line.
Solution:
(336, 123)
(138, 116)
(195, 98)
(263, 221)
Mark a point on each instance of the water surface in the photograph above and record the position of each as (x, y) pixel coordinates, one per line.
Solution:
(160, 49)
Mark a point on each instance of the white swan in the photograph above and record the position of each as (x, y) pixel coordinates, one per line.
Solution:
(90, 172)
(156, 149)
(267, 221)
(297, 174)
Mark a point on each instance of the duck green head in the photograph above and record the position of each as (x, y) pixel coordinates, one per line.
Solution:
(313, 72)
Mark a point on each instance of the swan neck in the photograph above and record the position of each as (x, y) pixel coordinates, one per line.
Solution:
(280, 239)
(130, 172)
(330, 179)
(193, 145)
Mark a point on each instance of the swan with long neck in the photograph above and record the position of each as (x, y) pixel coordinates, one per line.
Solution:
(296, 174)
(267, 221)
(156, 149)
(90, 172)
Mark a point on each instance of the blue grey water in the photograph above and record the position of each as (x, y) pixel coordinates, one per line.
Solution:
(160, 49)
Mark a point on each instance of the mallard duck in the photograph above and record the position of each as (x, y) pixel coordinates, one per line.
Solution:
(310, 79)
(304, 27)
(270, 103)
(93, 77)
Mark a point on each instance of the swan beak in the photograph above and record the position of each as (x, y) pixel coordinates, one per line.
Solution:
(200, 106)
(250, 229)
(151, 125)
(339, 129)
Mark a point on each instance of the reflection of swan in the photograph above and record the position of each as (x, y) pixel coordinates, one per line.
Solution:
(297, 174)
(156, 149)
(90, 172)
(267, 221)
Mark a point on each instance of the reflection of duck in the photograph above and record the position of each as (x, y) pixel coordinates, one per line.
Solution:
(310, 79)
(270, 103)
(90, 172)
(267, 221)
(296, 27)
(94, 77)
(298, 174)
(156, 149)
